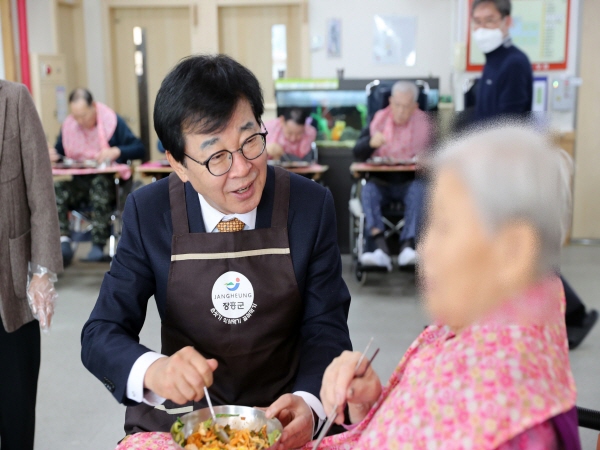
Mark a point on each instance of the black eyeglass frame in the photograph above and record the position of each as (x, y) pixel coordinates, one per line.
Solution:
(204, 163)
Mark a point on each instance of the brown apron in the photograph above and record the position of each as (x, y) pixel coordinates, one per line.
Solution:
(233, 297)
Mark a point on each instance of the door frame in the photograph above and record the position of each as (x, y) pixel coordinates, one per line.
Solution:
(106, 10)
(204, 27)
(75, 4)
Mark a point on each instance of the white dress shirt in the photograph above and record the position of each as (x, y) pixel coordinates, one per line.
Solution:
(135, 381)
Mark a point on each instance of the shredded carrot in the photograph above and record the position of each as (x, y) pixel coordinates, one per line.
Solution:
(250, 440)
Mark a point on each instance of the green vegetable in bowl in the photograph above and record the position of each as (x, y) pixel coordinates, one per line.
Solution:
(177, 432)
(273, 436)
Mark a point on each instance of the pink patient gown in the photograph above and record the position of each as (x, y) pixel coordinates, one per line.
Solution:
(496, 385)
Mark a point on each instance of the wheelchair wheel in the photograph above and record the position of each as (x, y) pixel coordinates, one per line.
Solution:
(360, 275)
(354, 244)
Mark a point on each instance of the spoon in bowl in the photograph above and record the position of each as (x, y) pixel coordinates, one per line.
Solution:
(218, 430)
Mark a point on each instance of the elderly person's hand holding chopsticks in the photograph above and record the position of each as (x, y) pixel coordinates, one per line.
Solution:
(341, 386)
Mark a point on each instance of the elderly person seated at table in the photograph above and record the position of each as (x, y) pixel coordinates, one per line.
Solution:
(290, 136)
(493, 371)
(92, 132)
(401, 131)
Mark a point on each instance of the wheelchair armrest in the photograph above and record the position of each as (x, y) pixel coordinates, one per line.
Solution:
(588, 418)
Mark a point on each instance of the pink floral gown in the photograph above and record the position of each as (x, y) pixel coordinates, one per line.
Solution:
(495, 385)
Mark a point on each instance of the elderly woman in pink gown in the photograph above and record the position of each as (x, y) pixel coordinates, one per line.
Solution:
(493, 371)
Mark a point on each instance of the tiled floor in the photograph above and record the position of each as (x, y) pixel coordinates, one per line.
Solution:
(75, 410)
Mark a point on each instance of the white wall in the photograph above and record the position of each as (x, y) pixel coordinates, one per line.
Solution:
(2, 69)
(94, 49)
(435, 28)
(40, 26)
(40, 20)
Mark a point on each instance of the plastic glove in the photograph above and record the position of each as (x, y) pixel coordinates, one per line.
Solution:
(41, 295)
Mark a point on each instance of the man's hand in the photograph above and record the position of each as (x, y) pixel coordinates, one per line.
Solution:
(42, 297)
(181, 377)
(297, 420)
(340, 387)
(275, 150)
(377, 140)
(54, 156)
(109, 154)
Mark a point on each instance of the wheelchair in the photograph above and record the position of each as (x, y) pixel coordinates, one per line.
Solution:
(81, 225)
(589, 418)
(378, 93)
(360, 240)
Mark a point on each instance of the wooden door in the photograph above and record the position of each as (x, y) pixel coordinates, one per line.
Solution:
(167, 41)
(245, 35)
(586, 217)
(71, 43)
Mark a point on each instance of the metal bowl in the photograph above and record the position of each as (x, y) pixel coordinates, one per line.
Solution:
(241, 417)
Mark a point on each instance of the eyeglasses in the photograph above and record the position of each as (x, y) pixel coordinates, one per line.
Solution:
(488, 22)
(219, 163)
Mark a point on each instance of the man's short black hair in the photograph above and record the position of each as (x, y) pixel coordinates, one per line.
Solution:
(296, 115)
(199, 96)
(503, 6)
(81, 93)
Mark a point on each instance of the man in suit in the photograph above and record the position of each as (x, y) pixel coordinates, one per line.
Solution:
(29, 237)
(241, 259)
(505, 90)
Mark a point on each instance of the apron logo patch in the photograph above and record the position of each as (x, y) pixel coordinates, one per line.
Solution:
(233, 298)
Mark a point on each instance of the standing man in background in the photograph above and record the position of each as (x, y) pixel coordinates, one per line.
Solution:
(506, 90)
(506, 84)
(29, 261)
(92, 131)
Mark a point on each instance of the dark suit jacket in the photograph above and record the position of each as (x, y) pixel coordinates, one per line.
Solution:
(28, 217)
(141, 266)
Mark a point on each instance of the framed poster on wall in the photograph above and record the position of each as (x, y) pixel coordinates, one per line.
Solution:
(540, 28)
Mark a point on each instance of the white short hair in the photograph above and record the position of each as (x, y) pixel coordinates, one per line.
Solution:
(515, 173)
(406, 87)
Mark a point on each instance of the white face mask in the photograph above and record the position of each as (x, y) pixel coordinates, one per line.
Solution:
(488, 39)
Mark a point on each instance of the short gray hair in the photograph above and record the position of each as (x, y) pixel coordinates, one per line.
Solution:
(503, 6)
(406, 87)
(515, 173)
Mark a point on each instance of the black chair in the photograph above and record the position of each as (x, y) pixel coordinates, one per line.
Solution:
(378, 96)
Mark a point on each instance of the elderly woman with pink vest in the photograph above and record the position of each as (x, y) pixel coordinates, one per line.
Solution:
(95, 132)
(492, 371)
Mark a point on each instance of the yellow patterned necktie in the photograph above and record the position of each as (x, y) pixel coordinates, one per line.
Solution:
(232, 225)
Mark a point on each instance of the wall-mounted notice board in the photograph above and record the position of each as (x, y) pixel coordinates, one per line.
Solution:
(540, 28)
